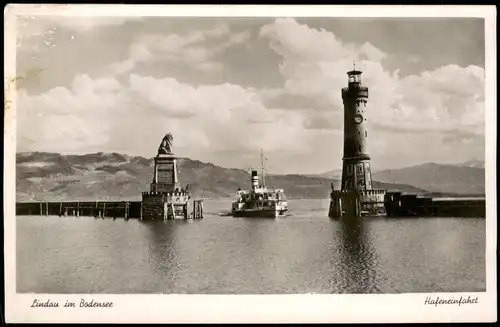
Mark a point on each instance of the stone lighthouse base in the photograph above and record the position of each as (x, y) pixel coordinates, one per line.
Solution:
(354, 203)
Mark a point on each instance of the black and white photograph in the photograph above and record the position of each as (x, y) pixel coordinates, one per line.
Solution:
(234, 154)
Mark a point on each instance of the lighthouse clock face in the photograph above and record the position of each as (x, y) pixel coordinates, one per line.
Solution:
(358, 119)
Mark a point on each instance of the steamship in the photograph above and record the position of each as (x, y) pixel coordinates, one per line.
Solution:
(259, 201)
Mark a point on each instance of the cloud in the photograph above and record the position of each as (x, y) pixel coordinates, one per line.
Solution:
(372, 53)
(121, 67)
(196, 48)
(105, 115)
(314, 67)
(37, 24)
(300, 119)
(442, 109)
(414, 59)
(210, 67)
(30, 29)
(67, 119)
(323, 121)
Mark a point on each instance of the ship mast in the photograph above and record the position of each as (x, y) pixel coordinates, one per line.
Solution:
(262, 165)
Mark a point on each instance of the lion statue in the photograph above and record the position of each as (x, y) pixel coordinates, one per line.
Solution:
(166, 144)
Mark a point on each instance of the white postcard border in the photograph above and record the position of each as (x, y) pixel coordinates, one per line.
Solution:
(250, 308)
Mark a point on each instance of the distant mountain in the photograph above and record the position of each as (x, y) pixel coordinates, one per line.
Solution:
(113, 176)
(440, 179)
(474, 163)
(336, 174)
(444, 178)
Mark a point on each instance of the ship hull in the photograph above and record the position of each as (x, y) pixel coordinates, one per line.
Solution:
(259, 213)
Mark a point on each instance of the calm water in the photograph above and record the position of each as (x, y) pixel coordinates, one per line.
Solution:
(305, 252)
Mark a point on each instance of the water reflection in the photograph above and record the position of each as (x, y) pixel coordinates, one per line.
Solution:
(163, 250)
(223, 255)
(357, 274)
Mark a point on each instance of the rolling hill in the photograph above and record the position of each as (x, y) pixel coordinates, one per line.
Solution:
(114, 176)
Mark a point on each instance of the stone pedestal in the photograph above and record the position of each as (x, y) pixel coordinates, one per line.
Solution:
(166, 199)
(165, 178)
(165, 206)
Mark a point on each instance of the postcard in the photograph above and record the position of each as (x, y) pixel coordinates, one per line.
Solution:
(250, 164)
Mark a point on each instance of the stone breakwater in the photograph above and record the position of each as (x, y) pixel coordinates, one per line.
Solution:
(408, 205)
(396, 204)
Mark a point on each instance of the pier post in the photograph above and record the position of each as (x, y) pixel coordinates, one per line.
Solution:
(172, 212)
(357, 206)
(126, 210)
(60, 209)
(197, 209)
(339, 208)
(352, 204)
(335, 206)
(46, 208)
(104, 210)
(78, 209)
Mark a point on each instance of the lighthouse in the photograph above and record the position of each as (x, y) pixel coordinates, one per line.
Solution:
(356, 196)
(356, 171)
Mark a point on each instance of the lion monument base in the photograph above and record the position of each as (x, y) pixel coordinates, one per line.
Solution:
(166, 199)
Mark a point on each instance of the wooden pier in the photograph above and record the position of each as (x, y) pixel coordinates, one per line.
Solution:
(112, 209)
(98, 209)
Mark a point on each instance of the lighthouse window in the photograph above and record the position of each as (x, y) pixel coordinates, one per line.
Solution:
(366, 134)
(359, 148)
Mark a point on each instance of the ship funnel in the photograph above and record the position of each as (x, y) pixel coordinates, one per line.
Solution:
(255, 179)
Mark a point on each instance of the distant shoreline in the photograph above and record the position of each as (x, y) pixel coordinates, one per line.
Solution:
(116, 177)
(441, 195)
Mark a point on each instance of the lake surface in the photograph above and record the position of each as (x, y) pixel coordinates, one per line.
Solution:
(305, 252)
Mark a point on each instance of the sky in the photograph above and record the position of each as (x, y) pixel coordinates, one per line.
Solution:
(228, 87)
